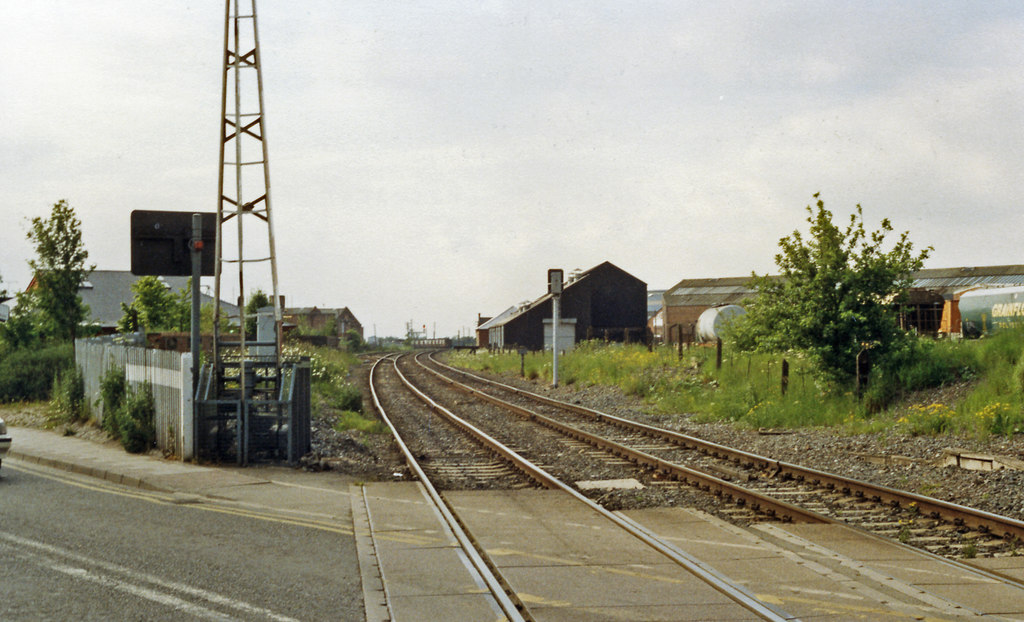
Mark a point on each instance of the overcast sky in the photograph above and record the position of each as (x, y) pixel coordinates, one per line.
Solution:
(431, 160)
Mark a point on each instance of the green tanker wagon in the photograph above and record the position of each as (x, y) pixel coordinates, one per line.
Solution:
(983, 311)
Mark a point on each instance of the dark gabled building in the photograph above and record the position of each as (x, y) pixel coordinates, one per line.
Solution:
(604, 302)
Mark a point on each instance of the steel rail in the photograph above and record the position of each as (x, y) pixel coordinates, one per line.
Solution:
(706, 574)
(957, 514)
(705, 481)
(505, 603)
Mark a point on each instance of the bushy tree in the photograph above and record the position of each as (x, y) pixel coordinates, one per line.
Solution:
(354, 341)
(836, 296)
(153, 307)
(59, 270)
(257, 300)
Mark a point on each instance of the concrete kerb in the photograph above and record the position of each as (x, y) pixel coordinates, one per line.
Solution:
(116, 477)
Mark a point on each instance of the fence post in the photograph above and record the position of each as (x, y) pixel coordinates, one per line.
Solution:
(785, 376)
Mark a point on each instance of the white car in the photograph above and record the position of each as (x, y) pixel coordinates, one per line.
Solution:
(5, 440)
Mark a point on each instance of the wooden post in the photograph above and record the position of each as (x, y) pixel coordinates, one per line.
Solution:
(718, 353)
(785, 376)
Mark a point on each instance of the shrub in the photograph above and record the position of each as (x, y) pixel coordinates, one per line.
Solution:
(135, 420)
(28, 374)
(68, 401)
(113, 389)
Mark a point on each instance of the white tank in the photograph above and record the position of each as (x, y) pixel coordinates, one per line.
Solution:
(713, 320)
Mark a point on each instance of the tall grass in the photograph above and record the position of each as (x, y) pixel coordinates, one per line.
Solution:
(747, 389)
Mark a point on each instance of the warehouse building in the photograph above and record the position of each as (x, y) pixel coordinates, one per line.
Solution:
(930, 308)
(604, 302)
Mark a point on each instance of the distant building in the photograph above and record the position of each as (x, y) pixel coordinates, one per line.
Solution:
(604, 302)
(319, 319)
(930, 308)
(104, 291)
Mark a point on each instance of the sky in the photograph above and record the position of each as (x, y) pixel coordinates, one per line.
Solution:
(431, 160)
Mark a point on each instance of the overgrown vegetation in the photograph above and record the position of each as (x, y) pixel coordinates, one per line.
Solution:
(335, 399)
(68, 400)
(747, 389)
(836, 297)
(27, 374)
(155, 307)
(113, 390)
(129, 415)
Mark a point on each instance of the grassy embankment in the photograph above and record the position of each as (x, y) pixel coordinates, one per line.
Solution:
(747, 388)
(335, 398)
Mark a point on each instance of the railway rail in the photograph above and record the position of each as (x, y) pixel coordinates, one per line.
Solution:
(771, 488)
(386, 371)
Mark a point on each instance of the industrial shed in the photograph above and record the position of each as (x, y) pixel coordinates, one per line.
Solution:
(930, 308)
(604, 302)
(690, 297)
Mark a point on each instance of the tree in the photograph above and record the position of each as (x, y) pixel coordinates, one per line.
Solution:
(354, 341)
(153, 307)
(59, 270)
(257, 300)
(837, 295)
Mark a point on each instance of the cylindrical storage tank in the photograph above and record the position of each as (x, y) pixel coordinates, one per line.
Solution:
(713, 320)
(985, 310)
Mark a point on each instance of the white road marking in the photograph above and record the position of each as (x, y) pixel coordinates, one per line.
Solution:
(132, 581)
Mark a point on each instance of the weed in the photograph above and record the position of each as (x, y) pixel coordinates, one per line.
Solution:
(904, 535)
(350, 420)
(970, 550)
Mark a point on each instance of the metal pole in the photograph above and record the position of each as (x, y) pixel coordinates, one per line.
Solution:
(197, 267)
(554, 340)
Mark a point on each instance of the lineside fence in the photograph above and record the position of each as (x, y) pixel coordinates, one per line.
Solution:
(166, 371)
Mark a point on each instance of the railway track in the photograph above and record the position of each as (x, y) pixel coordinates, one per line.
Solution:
(424, 456)
(761, 487)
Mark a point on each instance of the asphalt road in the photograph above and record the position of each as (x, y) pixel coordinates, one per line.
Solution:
(76, 548)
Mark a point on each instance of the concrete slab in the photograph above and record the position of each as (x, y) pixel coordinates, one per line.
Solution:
(928, 572)
(402, 518)
(1012, 567)
(454, 608)
(568, 563)
(851, 543)
(557, 528)
(424, 574)
(654, 613)
(950, 587)
(989, 599)
(693, 533)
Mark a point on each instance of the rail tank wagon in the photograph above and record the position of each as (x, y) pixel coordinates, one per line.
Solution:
(983, 311)
(711, 323)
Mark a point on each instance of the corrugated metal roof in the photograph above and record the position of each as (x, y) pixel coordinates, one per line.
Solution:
(946, 281)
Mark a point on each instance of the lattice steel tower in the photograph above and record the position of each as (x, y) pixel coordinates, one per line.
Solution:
(244, 187)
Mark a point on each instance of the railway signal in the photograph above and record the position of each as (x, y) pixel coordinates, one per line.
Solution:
(555, 289)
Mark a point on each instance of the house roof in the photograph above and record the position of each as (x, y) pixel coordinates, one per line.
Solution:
(105, 290)
(336, 312)
(498, 319)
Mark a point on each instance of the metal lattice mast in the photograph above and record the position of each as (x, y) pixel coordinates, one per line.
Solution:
(244, 184)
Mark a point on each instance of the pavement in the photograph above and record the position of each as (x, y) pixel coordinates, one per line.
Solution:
(325, 495)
